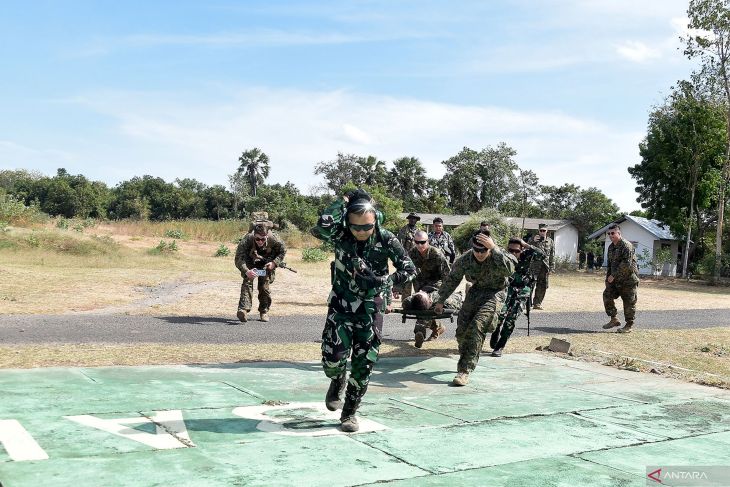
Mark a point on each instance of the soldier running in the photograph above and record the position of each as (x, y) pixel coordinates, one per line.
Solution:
(519, 292)
(487, 268)
(357, 301)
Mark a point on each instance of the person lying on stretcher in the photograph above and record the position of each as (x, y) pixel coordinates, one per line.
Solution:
(424, 300)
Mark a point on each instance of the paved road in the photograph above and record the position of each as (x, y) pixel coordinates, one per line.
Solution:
(90, 328)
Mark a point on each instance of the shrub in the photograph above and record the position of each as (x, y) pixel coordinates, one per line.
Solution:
(4, 226)
(164, 248)
(79, 228)
(62, 223)
(563, 264)
(222, 251)
(175, 233)
(314, 255)
(61, 243)
(16, 213)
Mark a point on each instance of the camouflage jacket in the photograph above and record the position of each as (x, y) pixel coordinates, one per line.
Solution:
(490, 275)
(523, 277)
(346, 296)
(249, 256)
(444, 242)
(431, 268)
(622, 264)
(547, 247)
(406, 236)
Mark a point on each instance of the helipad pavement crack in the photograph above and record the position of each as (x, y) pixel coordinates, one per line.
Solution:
(391, 455)
(245, 391)
(577, 388)
(88, 377)
(633, 474)
(170, 432)
(423, 408)
(620, 426)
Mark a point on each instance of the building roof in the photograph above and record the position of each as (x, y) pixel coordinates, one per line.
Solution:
(655, 227)
(516, 221)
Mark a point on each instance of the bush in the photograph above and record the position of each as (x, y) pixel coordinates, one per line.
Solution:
(164, 248)
(18, 214)
(563, 264)
(62, 223)
(61, 243)
(222, 251)
(175, 233)
(314, 255)
(501, 231)
(79, 228)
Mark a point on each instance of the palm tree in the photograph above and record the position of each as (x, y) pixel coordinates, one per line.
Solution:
(255, 166)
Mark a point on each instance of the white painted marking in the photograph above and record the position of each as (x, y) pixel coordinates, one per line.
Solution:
(324, 422)
(18, 442)
(166, 421)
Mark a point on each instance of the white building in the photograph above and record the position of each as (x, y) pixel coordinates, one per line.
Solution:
(563, 233)
(644, 234)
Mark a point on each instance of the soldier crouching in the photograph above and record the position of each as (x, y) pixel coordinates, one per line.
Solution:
(257, 256)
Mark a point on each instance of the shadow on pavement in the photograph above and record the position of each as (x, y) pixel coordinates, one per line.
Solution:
(198, 320)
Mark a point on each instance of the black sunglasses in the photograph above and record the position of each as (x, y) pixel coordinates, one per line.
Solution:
(362, 228)
(514, 251)
(420, 242)
(479, 250)
(259, 239)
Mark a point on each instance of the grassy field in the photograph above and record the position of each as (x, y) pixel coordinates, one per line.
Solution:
(114, 268)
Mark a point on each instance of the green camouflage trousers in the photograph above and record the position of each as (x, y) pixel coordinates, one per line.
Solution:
(245, 302)
(478, 316)
(628, 295)
(352, 334)
(543, 282)
(512, 308)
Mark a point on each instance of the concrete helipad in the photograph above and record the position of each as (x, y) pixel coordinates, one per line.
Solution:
(524, 420)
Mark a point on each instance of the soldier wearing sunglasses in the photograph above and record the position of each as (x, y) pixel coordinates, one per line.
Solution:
(431, 268)
(360, 282)
(487, 268)
(258, 255)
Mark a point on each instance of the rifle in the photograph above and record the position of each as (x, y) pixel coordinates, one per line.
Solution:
(283, 265)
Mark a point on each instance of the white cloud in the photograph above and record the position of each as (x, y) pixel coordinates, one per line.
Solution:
(637, 52)
(173, 138)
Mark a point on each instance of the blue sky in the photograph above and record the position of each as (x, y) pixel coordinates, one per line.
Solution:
(179, 89)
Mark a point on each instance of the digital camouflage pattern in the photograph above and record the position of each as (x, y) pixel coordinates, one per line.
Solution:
(249, 256)
(444, 242)
(542, 268)
(431, 268)
(355, 315)
(518, 296)
(478, 315)
(622, 265)
(407, 237)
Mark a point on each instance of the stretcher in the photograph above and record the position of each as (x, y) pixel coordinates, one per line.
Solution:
(425, 314)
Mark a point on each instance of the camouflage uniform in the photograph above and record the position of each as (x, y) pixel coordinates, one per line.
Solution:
(542, 267)
(445, 243)
(355, 314)
(478, 315)
(621, 264)
(249, 256)
(406, 236)
(431, 268)
(518, 297)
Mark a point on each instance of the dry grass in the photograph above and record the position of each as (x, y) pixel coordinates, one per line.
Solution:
(701, 356)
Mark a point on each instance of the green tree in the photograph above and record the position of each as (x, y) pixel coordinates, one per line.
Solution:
(710, 42)
(374, 172)
(407, 181)
(682, 157)
(254, 164)
(344, 169)
(481, 179)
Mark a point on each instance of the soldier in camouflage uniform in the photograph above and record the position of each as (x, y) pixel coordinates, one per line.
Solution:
(542, 268)
(358, 298)
(622, 280)
(431, 269)
(260, 250)
(518, 292)
(406, 237)
(487, 268)
(442, 240)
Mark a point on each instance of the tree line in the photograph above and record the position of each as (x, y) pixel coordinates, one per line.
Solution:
(474, 179)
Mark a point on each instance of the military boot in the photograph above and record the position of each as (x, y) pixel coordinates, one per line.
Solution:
(348, 421)
(626, 328)
(241, 315)
(420, 335)
(461, 379)
(612, 323)
(333, 401)
(437, 332)
(264, 316)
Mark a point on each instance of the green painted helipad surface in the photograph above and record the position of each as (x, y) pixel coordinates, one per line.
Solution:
(524, 420)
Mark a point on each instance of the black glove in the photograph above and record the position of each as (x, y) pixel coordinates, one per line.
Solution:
(366, 279)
